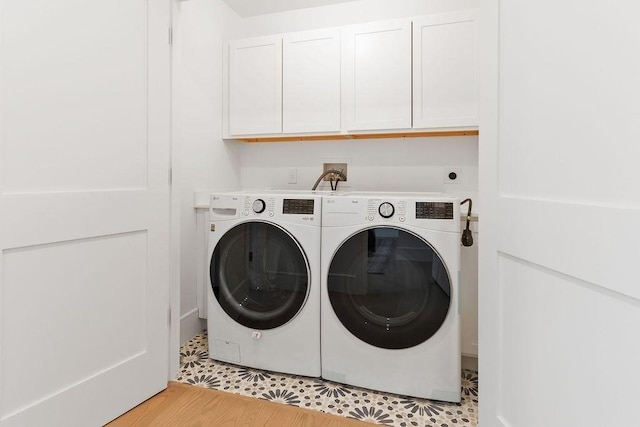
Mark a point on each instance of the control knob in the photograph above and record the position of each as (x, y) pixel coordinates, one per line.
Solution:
(259, 206)
(386, 210)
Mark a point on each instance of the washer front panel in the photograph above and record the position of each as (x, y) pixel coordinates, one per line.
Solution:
(389, 287)
(259, 275)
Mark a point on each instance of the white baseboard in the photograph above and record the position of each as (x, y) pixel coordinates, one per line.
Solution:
(190, 325)
(470, 362)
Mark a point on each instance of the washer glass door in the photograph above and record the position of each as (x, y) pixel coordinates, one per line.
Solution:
(259, 275)
(389, 287)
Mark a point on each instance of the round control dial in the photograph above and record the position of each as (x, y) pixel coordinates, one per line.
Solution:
(258, 206)
(386, 210)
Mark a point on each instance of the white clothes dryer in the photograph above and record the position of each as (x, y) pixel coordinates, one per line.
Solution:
(264, 297)
(389, 301)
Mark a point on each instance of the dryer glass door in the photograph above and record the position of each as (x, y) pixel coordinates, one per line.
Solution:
(389, 287)
(259, 275)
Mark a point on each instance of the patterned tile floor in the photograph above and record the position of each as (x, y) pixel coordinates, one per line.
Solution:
(326, 396)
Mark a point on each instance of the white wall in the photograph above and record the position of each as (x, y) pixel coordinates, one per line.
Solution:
(412, 164)
(201, 159)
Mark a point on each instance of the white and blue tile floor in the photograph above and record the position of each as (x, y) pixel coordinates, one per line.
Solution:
(326, 396)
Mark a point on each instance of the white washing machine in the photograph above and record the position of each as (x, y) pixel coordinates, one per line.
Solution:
(389, 302)
(264, 297)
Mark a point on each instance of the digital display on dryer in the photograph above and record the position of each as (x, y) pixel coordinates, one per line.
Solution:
(298, 206)
(434, 210)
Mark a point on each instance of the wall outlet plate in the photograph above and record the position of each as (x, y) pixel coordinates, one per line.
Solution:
(342, 167)
(452, 175)
(292, 176)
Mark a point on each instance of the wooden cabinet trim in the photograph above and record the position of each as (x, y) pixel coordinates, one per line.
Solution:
(303, 138)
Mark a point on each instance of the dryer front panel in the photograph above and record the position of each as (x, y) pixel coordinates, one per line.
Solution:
(389, 287)
(259, 275)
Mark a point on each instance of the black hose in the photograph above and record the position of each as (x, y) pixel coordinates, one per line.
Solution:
(467, 236)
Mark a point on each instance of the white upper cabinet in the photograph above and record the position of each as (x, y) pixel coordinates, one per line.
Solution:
(406, 75)
(255, 86)
(444, 71)
(377, 75)
(311, 82)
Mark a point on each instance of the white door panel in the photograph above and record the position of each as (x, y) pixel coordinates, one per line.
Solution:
(592, 243)
(81, 79)
(562, 344)
(566, 99)
(79, 312)
(559, 300)
(53, 217)
(84, 208)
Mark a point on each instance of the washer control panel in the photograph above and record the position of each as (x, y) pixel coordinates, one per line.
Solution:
(259, 205)
(386, 210)
(298, 206)
(434, 210)
(273, 206)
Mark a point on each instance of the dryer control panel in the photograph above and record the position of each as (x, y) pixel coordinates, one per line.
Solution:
(259, 205)
(298, 206)
(434, 210)
(386, 209)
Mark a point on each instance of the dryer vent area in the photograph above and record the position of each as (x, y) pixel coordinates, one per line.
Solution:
(327, 396)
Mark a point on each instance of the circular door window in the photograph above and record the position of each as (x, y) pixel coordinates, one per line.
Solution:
(389, 288)
(259, 275)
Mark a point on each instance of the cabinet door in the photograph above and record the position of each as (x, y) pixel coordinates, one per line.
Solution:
(311, 81)
(255, 86)
(86, 246)
(377, 79)
(444, 70)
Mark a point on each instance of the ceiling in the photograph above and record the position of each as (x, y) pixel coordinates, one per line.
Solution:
(261, 7)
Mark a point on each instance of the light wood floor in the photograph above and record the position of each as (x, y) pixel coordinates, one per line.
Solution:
(185, 405)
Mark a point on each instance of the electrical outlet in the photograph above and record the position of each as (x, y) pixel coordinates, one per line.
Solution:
(342, 167)
(452, 175)
(292, 176)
